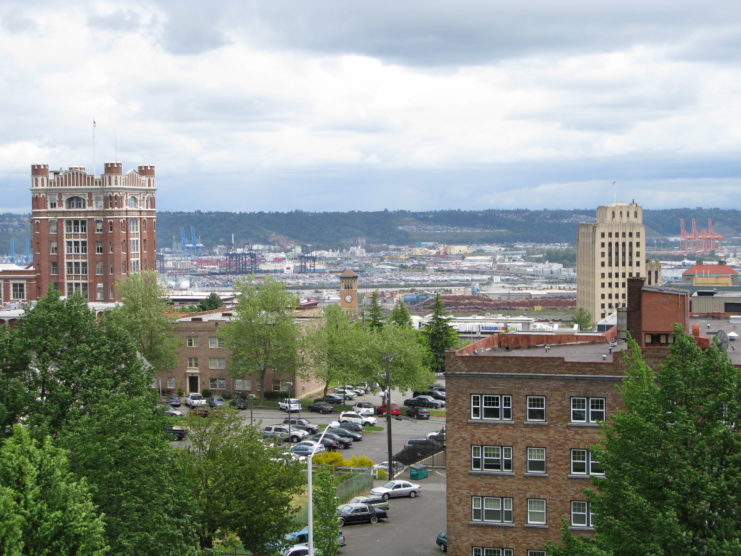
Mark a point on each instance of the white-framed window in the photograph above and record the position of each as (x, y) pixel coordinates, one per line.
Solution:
(215, 342)
(77, 267)
(491, 458)
(99, 203)
(536, 408)
(588, 410)
(135, 265)
(134, 225)
(581, 514)
(17, 291)
(537, 553)
(76, 247)
(495, 407)
(134, 245)
(242, 384)
(192, 362)
(582, 463)
(491, 551)
(171, 382)
(75, 203)
(491, 509)
(99, 268)
(536, 511)
(53, 247)
(536, 460)
(133, 202)
(98, 226)
(54, 267)
(53, 226)
(276, 385)
(99, 292)
(53, 201)
(99, 247)
(77, 287)
(191, 341)
(75, 226)
(217, 363)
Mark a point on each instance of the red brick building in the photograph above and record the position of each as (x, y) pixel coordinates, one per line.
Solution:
(88, 231)
(523, 411)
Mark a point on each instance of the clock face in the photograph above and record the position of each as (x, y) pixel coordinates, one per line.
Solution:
(348, 299)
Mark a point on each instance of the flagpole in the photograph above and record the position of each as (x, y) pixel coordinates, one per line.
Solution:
(93, 146)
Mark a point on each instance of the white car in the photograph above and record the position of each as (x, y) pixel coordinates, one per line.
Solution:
(296, 550)
(361, 408)
(290, 405)
(194, 399)
(345, 393)
(396, 489)
(285, 431)
(353, 417)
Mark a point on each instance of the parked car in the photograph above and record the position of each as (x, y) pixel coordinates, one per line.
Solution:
(239, 403)
(178, 433)
(424, 401)
(371, 500)
(321, 407)
(194, 399)
(442, 540)
(328, 443)
(395, 409)
(360, 513)
(301, 424)
(364, 408)
(437, 436)
(353, 417)
(418, 412)
(438, 387)
(296, 550)
(173, 401)
(289, 433)
(343, 441)
(397, 488)
(174, 412)
(422, 442)
(290, 405)
(331, 398)
(339, 431)
(345, 393)
(307, 448)
(436, 394)
(216, 401)
(302, 537)
(200, 410)
(355, 427)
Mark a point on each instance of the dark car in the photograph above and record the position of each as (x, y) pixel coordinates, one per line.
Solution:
(302, 537)
(437, 394)
(360, 513)
(328, 443)
(418, 412)
(422, 443)
(178, 433)
(216, 401)
(343, 441)
(355, 427)
(321, 407)
(239, 403)
(331, 398)
(301, 424)
(200, 410)
(340, 431)
(442, 540)
(173, 401)
(423, 401)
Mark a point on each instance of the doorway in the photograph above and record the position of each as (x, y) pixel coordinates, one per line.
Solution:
(192, 384)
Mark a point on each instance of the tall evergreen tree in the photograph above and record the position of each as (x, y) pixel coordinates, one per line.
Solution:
(375, 315)
(400, 315)
(439, 336)
(671, 459)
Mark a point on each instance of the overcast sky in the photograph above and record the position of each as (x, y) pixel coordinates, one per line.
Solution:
(318, 105)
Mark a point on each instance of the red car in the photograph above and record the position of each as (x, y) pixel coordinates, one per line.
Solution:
(395, 409)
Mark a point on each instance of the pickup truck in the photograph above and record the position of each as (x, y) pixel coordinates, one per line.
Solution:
(194, 399)
(290, 405)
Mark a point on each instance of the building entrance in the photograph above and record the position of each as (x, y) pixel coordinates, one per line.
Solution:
(192, 384)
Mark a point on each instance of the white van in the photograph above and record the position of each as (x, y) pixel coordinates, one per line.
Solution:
(290, 405)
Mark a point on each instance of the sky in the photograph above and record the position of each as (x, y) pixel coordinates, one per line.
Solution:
(334, 105)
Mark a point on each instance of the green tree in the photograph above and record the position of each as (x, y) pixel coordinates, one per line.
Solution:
(145, 316)
(408, 370)
(44, 508)
(439, 336)
(67, 362)
(583, 318)
(671, 459)
(326, 526)
(121, 449)
(237, 484)
(375, 315)
(264, 335)
(333, 349)
(213, 301)
(400, 315)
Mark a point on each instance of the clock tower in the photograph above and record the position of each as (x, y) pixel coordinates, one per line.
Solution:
(349, 290)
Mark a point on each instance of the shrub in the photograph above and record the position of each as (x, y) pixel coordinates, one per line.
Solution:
(332, 459)
(206, 392)
(359, 461)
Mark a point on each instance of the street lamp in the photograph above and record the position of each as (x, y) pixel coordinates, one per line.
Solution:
(251, 397)
(288, 407)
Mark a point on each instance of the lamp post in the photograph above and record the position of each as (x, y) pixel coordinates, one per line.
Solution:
(251, 397)
(288, 401)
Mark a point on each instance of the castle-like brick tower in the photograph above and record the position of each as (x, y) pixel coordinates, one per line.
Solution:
(88, 231)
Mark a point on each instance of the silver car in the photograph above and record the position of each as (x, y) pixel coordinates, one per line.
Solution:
(396, 489)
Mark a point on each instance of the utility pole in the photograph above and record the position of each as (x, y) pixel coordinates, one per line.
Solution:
(389, 357)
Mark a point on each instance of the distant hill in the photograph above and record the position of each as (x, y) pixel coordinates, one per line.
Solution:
(337, 229)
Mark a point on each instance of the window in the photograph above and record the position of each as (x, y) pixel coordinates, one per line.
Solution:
(490, 406)
(134, 243)
(537, 553)
(489, 551)
(75, 226)
(75, 203)
(192, 362)
(53, 201)
(217, 363)
(135, 265)
(98, 226)
(536, 408)
(536, 460)
(191, 341)
(582, 463)
(77, 267)
(76, 247)
(581, 514)
(99, 205)
(54, 267)
(18, 290)
(276, 385)
(53, 247)
(99, 268)
(491, 458)
(53, 226)
(171, 383)
(491, 509)
(99, 247)
(536, 511)
(133, 203)
(242, 384)
(110, 225)
(77, 287)
(587, 410)
(212, 383)
(134, 225)
(99, 292)
(214, 342)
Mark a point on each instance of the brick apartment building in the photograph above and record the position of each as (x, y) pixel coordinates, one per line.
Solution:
(523, 410)
(88, 231)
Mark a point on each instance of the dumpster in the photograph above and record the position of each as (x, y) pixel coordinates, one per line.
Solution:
(417, 472)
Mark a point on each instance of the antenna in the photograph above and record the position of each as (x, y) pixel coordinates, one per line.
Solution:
(614, 190)
(94, 146)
